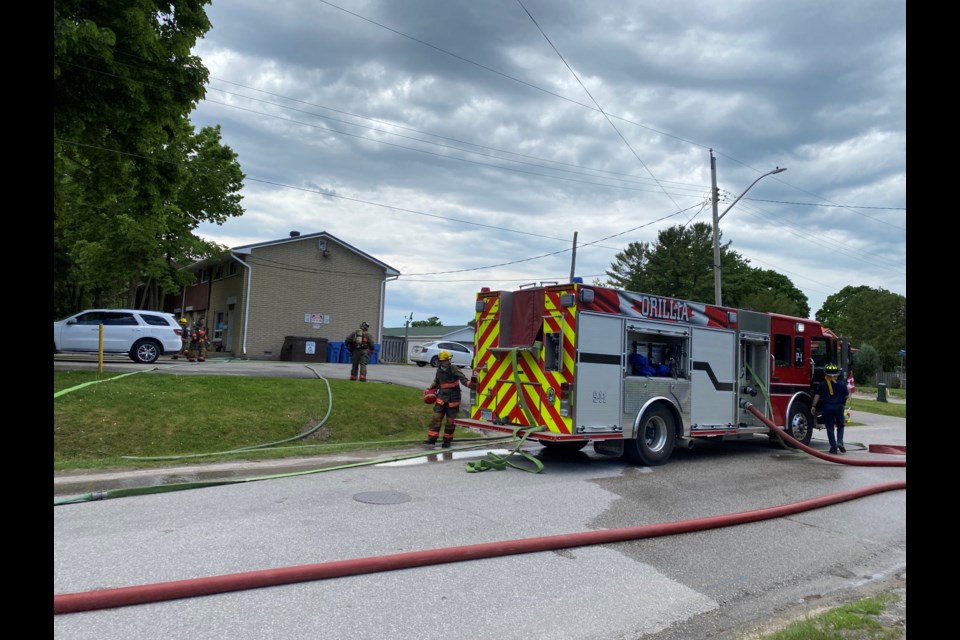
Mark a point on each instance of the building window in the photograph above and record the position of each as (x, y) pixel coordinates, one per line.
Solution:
(781, 350)
(218, 272)
(232, 270)
(218, 326)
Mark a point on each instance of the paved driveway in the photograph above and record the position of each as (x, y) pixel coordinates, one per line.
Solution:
(404, 374)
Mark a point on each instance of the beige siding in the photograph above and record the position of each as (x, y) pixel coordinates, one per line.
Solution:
(293, 279)
(226, 297)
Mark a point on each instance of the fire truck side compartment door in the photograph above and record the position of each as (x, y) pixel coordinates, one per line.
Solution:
(599, 377)
(713, 378)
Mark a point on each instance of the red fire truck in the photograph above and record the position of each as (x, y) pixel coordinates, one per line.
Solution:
(638, 375)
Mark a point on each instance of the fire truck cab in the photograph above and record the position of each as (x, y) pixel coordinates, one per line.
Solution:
(637, 375)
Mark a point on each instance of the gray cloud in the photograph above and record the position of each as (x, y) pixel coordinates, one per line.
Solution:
(424, 116)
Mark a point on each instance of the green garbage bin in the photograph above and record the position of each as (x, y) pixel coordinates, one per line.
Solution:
(881, 392)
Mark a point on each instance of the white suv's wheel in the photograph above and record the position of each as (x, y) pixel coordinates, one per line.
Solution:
(145, 352)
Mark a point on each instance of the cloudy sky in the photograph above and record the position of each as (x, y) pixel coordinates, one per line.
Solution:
(467, 143)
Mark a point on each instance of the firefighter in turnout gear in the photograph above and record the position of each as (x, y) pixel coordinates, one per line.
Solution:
(184, 339)
(447, 383)
(198, 342)
(359, 345)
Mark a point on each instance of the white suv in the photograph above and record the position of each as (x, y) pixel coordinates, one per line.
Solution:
(425, 354)
(143, 335)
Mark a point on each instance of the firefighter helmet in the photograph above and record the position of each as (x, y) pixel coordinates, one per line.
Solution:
(429, 396)
(183, 321)
(364, 325)
(831, 370)
(444, 355)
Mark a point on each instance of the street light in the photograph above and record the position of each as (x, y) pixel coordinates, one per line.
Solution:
(716, 222)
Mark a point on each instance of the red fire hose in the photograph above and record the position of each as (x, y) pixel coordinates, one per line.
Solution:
(142, 594)
(826, 456)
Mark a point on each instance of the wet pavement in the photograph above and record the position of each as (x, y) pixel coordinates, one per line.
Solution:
(74, 483)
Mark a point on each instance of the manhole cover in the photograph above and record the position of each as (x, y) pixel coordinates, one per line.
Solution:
(382, 497)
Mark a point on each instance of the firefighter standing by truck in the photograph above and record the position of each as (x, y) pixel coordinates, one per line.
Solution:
(359, 345)
(834, 396)
(447, 383)
(184, 339)
(198, 342)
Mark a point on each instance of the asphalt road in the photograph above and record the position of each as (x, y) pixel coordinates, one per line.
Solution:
(705, 584)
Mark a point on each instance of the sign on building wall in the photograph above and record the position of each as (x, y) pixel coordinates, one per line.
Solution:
(316, 319)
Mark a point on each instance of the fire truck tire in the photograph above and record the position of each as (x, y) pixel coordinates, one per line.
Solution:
(800, 423)
(656, 435)
(563, 447)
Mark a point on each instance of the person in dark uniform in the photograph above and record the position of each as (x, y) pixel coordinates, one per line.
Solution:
(447, 383)
(359, 344)
(834, 397)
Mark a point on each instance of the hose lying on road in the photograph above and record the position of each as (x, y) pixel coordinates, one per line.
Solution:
(856, 462)
(142, 594)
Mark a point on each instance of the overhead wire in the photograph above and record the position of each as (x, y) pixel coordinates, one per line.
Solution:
(594, 100)
(596, 107)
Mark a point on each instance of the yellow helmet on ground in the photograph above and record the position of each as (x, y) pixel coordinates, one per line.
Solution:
(444, 355)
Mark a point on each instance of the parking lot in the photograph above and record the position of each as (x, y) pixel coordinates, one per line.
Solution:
(408, 375)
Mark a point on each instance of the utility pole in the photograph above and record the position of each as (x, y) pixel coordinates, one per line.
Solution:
(717, 298)
(714, 196)
(406, 332)
(573, 257)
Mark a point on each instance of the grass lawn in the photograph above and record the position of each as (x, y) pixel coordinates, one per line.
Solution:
(103, 421)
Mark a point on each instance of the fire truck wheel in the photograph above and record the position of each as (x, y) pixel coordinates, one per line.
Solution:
(656, 435)
(563, 447)
(800, 423)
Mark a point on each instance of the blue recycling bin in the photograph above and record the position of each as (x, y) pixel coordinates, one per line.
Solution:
(344, 355)
(375, 354)
(333, 351)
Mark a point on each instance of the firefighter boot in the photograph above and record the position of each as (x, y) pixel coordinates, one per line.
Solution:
(446, 443)
(430, 443)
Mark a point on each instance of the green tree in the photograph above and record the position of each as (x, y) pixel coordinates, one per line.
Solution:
(866, 363)
(871, 316)
(680, 265)
(628, 270)
(132, 179)
(774, 292)
(433, 321)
